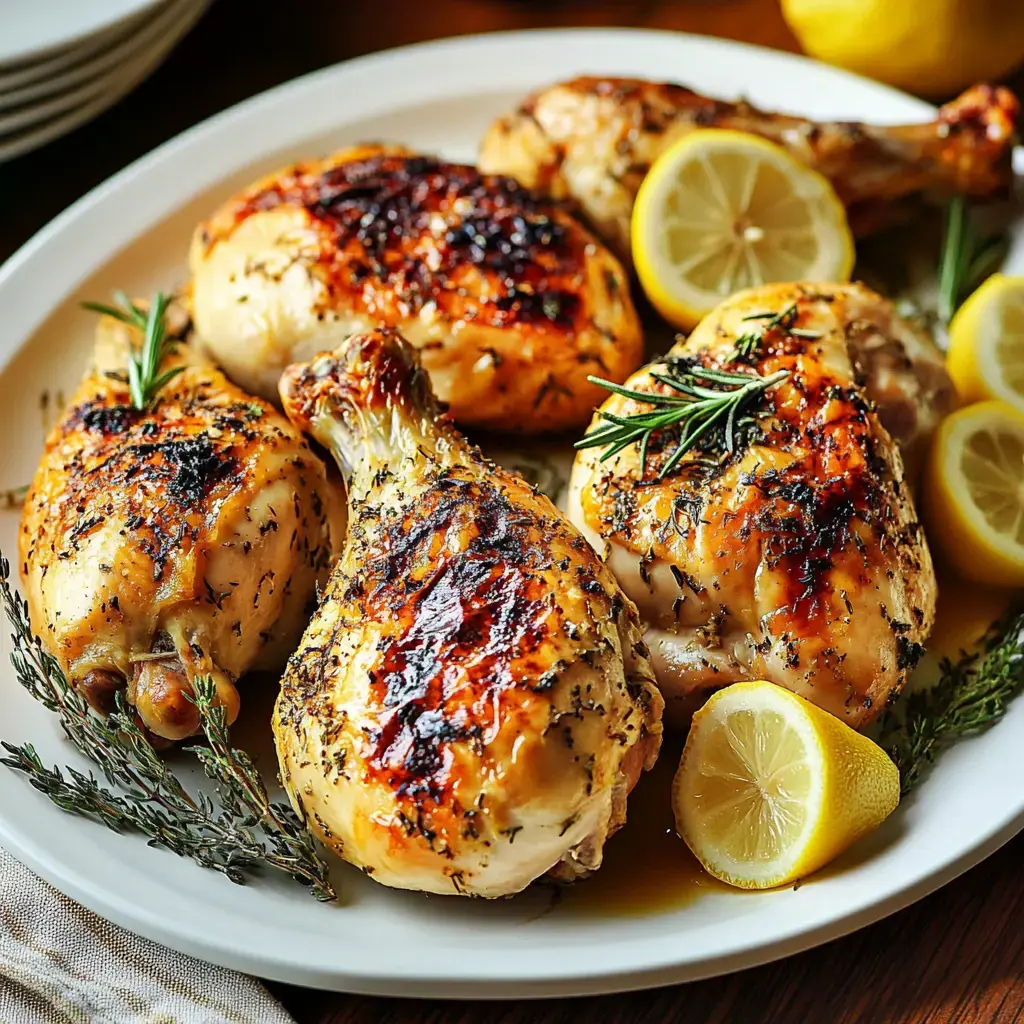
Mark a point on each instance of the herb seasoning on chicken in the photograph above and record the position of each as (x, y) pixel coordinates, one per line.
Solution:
(171, 542)
(793, 553)
(594, 139)
(472, 702)
(510, 301)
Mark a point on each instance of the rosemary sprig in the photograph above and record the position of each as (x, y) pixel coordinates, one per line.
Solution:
(144, 378)
(972, 694)
(966, 258)
(243, 831)
(704, 399)
(748, 343)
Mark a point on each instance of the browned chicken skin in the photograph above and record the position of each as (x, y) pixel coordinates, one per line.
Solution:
(472, 702)
(163, 545)
(510, 301)
(594, 139)
(799, 558)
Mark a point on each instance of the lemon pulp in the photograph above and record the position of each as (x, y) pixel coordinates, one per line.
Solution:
(722, 210)
(753, 796)
(986, 343)
(974, 493)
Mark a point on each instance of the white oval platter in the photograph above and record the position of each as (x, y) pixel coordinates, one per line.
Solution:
(132, 232)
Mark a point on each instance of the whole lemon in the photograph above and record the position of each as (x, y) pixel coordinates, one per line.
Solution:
(929, 47)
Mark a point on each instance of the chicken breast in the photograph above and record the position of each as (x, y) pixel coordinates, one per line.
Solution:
(796, 556)
(509, 300)
(183, 541)
(593, 139)
(472, 702)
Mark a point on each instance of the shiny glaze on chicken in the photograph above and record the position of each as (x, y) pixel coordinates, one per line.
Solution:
(594, 139)
(799, 557)
(509, 300)
(472, 702)
(184, 541)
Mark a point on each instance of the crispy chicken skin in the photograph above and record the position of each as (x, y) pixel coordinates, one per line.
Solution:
(799, 558)
(594, 139)
(510, 301)
(472, 702)
(184, 541)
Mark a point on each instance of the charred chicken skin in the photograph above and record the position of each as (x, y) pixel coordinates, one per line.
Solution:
(472, 702)
(594, 139)
(184, 541)
(510, 301)
(797, 557)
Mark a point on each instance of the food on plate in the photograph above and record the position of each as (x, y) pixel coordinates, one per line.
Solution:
(974, 493)
(472, 691)
(175, 528)
(770, 788)
(931, 49)
(986, 343)
(472, 701)
(593, 139)
(721, 211)
(510, 301)
(755, 506)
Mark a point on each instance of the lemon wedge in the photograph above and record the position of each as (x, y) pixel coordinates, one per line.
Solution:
(986, 343)
(770, 787)
(974, 493)
(723, 210)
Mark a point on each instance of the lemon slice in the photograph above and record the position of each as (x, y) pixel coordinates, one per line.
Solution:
(986, 343)
(723, 210)
(770, 787)
(974, 493)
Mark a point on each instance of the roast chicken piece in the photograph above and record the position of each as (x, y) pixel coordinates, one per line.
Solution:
(184, 541)
(594, 139)
(798, 557)
(509, 300)
(472, 702)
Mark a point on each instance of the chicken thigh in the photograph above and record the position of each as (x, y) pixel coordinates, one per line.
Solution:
(472, 702)
(797, 555)
(509, 300)
(163, 545)
(594, 139)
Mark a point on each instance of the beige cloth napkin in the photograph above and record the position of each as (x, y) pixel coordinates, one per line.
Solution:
(61, 964)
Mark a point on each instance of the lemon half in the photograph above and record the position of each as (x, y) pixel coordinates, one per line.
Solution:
(974, 493)
(770, 787)
(723, 210)
(986, 343)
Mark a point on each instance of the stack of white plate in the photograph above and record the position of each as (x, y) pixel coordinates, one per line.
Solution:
(62, 62)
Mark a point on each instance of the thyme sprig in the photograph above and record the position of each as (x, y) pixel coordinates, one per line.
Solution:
(972, 694)
(144, 378)
(967, 258)
(236, 835)
(704, 398)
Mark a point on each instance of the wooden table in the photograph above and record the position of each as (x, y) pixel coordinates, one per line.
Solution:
(955, 957)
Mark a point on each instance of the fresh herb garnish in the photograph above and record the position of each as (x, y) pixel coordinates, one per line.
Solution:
(243, 831)
(144, 378)
(972, 694)
(966, 259)
(748, 343)
(704, 399)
